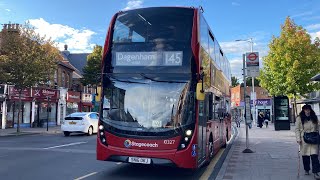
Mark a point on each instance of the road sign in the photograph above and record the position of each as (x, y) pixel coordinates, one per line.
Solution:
(248, 110)
(253, 71)
(252, 59)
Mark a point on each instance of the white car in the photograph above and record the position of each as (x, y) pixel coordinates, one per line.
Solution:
(86, 122)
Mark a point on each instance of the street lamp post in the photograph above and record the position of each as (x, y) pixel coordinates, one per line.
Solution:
(253, 96)
(48, 106)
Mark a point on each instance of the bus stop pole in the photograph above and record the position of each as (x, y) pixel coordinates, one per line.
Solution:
(247, 113)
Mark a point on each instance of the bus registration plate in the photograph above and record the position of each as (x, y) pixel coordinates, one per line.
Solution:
(139, 160)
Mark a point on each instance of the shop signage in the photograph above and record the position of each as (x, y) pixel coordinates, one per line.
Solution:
(25, 94)
(45, 93)
(73, 96)
(262, 102)
(86, 97)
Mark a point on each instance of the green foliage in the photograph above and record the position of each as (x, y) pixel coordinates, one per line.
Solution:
(93, 68)
(292, 60)
(26, 59)
(234, 81)
(249, 81)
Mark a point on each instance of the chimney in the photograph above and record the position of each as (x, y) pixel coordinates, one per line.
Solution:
(11, 27)
(66, 52)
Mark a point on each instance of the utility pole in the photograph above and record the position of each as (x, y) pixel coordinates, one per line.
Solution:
(48, 106)
(247, 113)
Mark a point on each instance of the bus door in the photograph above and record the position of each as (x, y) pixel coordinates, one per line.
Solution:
(221, 122)
(202, 131)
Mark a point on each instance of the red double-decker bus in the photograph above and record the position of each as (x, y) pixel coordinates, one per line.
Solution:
(165, 89)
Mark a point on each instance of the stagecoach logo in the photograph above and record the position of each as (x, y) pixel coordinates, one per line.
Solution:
(127, 143)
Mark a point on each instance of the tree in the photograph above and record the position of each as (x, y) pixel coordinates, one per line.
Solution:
(292, 60)
(26, 59)
(93, 68)
(249, 81)
(234, 81)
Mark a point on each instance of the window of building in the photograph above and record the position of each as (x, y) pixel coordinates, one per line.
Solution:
(63, 79)
(67, 81)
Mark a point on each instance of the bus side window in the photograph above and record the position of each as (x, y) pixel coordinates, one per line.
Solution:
(217, 105)
(210, 106)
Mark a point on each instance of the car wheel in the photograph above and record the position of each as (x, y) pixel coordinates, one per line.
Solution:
(90, 131)
(66, 133)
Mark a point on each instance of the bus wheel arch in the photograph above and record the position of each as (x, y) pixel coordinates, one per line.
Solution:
(211, 149)
(227, 139)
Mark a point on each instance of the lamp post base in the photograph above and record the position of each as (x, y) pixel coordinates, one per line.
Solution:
(247, 151)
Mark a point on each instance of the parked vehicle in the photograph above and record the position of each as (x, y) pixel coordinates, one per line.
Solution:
(86, 122)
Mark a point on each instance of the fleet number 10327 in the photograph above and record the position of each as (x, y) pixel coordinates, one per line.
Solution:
(169, 141)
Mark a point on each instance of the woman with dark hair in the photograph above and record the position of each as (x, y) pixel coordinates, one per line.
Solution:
(307, 121)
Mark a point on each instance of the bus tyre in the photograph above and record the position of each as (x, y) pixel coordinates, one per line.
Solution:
(90, 131)
(211, 150)
(66, 133)
(225, 142)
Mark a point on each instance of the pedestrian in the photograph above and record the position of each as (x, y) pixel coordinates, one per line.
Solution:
(266, 120)
(237, 118)
(307, 121)
(260, 119)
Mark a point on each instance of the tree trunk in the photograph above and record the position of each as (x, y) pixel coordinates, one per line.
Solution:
(19, 110)
(295, 107)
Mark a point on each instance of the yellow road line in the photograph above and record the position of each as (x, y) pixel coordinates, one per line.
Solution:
(85, 176)
(210, 167)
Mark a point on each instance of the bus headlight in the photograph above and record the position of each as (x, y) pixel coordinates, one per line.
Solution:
(186, 138)
(188, 132)
(102, 135)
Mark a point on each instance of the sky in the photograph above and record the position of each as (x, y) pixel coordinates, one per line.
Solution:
(82, 24)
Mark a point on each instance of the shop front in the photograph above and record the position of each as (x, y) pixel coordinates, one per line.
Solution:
(265, 106)
(45, 107)
(13, 114)
(2, 106)
(73, 102)
(86, 102)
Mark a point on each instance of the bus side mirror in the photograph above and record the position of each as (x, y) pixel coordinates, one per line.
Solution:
(200, 93)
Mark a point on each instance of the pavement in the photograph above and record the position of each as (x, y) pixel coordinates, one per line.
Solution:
(29, 131)
(275, 156)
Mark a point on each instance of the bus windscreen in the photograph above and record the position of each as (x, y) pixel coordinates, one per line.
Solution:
(153, 24)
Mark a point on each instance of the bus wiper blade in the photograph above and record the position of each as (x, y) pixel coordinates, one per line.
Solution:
(152, 79)
(126, 81)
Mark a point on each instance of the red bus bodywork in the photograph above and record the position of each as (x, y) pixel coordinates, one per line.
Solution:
(165, 151)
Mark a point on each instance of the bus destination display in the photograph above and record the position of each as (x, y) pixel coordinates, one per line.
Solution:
(160, 58)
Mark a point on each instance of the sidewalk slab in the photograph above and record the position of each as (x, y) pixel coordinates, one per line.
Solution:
(29, 131)
(275, 156)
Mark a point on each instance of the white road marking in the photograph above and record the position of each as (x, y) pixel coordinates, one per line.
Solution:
(85, 176)
(118, 163)
(71, 144)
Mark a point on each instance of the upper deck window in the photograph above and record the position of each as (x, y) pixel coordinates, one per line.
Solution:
(153, 25)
